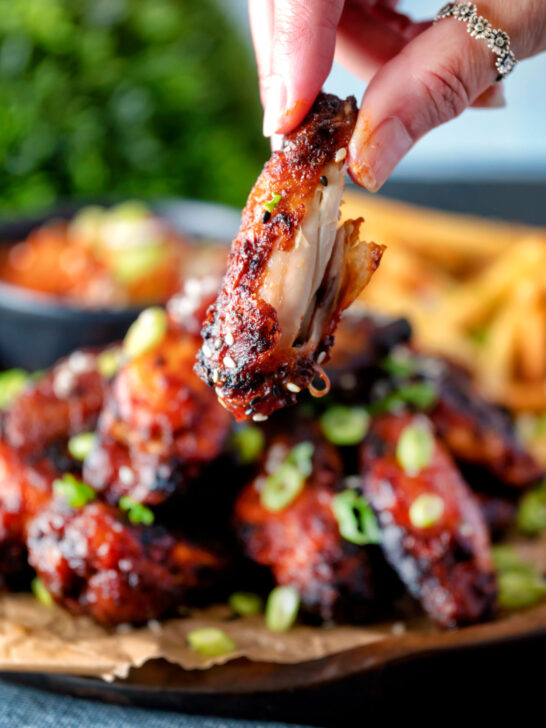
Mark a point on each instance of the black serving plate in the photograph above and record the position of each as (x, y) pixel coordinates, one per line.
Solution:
(492, 665)
(35, 330)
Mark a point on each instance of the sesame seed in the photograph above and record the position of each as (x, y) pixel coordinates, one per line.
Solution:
(224, 405)
(293, 387)
(348, 381)
(64, 382)
(126, 475)
(80, 362)
(259, 417)
(218, 343)
(215, 375)
(218, 391)
(324, 180)
(266, 216)
(229, 363)
(207, 351)
(340, 155)
(229, 339)
(321, 357)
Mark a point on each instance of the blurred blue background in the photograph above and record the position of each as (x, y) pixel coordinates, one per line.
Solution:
(487, 144)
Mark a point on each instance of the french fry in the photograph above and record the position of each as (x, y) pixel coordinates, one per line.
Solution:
(455, 277)
(458, 243)
(473, 302)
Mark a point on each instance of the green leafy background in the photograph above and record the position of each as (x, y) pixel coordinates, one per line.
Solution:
(142, 98)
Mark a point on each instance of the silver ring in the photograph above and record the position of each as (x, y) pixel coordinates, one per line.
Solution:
(480, 28)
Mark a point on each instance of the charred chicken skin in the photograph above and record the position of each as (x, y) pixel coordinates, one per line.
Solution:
(63, 402)
(290, 273)
(160, 424)
(24, 489)
(478, 432)
(447, 563)
(302, 545)
(33, 447)
(92, 561)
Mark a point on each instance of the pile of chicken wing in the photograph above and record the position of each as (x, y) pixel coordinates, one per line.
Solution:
(385, 491)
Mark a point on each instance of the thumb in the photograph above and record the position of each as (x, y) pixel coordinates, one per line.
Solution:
(432, 80)
(300, 58)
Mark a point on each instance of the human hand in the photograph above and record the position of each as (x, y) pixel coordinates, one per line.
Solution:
(421, 75)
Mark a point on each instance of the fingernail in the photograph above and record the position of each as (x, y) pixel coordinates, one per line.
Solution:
(275, 106)
(492, 98)
(373, 158)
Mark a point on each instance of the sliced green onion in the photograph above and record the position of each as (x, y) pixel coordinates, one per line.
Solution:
(399, 365)
(146, 332)
(248, 442)
(109, 362)
(271, 204)
(136, 512)
(520, 583)
(426, 510)
(12, 383)
(211, 642)
(357, 521)
(287, 482)
(74, 491)
(345, 425)
(415, 448)
(507, 558)
(531, 518)
(129, 210)
(131, 264)
(421, 395)
(282, 608)
(245, 604)
(518, 590)
(80, 446)
(87, 223)
(40, 592)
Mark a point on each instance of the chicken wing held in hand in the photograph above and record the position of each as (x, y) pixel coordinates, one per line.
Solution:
(291, 271)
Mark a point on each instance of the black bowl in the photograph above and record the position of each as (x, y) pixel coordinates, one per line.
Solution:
(36, 330)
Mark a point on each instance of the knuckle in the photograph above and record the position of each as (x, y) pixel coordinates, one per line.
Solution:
(447, 92)
(298, 21)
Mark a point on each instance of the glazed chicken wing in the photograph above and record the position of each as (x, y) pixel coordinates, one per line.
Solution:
(444, 561)
(25, 487)
(291, 271)
(302, 544)
(160, 424)
(63, 402)
(478, 432)
(93, 561)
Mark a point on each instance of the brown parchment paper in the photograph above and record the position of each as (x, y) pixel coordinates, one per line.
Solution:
(48, 639)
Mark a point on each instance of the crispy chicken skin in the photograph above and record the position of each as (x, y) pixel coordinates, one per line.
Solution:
(160, 423)
(303, 547)
(24, 489)
(63, 402)
(92, 561)
(448, 565)
(480, 433)
(291, 272)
